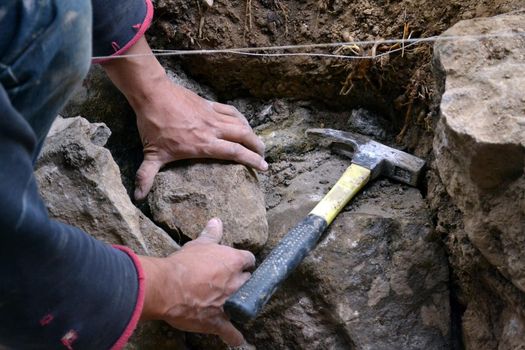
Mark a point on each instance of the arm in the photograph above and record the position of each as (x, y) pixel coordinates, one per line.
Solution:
(175, 123)
(187, 289)
(59, 287)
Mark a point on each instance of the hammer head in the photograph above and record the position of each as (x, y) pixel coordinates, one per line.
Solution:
(378, 158)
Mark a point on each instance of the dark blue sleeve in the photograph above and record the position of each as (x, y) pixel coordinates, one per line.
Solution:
(117, 25)
(59, 287)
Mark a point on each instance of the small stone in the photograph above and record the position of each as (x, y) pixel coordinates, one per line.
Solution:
(187, 195)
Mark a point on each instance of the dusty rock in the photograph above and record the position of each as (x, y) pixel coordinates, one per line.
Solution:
(282, 123)
(80, 184)
(377, 279)
(187, 195)
(479, 148)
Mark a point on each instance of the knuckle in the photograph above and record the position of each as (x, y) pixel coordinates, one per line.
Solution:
(232, 110)
(246, 132)
(235, 150)
(239, 259)
(141, 174)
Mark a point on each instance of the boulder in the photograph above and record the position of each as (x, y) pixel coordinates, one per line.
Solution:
(377, 279)
(185, 196)
(80, 184)
(479, 150)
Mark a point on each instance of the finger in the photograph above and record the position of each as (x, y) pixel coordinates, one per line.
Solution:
(245, 276)
(229, 334)
(145, 176)
(212, 233)
(246, 260)
(227, 150)
(229, 110)
(243, 134)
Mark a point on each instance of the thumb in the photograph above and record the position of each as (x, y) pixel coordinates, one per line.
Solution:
(212, 233)
(145, 176)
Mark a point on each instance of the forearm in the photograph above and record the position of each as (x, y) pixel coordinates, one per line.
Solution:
(137, 77)
(58, 286)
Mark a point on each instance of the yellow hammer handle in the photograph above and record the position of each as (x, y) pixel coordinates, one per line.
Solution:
(353, 179)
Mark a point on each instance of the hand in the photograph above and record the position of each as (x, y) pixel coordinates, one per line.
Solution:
(178, 124)
(175, 123)
(188, 289)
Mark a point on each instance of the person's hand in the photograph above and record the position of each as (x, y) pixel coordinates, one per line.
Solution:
(178, 124)
(188, 289)
(175, 123)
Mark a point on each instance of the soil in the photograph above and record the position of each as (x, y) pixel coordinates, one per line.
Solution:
(399, 86)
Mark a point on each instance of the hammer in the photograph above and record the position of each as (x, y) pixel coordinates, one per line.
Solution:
(370, 159)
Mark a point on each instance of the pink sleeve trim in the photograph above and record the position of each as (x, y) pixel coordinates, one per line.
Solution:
(119, 344)
(143, 27)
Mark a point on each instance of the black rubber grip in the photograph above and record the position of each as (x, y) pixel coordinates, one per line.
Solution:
(248, 301)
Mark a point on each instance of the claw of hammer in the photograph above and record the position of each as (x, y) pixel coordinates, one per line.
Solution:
(378, 158)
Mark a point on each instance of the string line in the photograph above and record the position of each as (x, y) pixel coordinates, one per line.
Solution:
(253, 51)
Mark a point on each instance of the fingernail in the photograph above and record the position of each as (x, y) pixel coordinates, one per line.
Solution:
(215, 222)
(138, 194)
(264, 165)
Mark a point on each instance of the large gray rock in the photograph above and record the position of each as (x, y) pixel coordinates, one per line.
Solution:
(188, 194)
(377, 280)
(479, 148)
(80, 184)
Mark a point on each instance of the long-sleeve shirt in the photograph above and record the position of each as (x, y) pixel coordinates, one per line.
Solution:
(59, 287)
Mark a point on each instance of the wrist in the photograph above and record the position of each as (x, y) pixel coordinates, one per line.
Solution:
(138, 76)
(146, 89)
(152, 309)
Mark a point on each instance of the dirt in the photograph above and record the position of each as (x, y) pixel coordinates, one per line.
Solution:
(399, 85)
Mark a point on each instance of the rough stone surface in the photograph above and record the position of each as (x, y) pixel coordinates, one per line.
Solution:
(377, 279)
(187, 195)
(80, 184)
(281, 124)
(479, 148)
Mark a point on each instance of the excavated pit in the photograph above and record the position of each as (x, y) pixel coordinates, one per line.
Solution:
(412, 292)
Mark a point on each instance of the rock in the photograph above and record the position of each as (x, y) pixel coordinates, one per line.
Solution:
(479, 149)
(80, 184)
(188, 194)
(370, 124)
(377, 279)
(282, 124)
